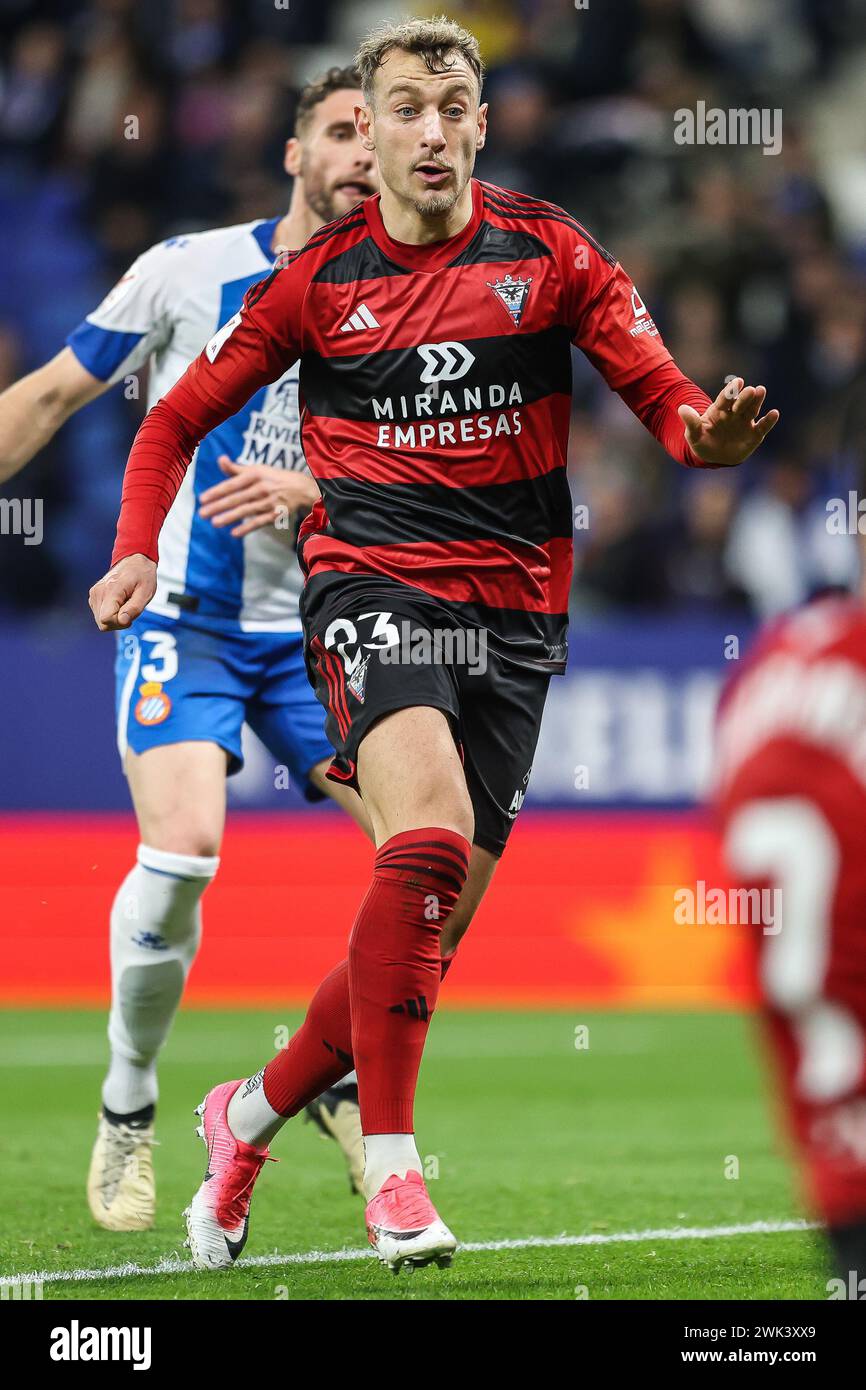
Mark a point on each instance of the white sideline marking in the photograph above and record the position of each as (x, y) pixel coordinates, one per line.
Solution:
(173, 1265)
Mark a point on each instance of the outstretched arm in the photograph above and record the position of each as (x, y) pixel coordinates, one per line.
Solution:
(693, 429)
(614, 328)
(33, 409)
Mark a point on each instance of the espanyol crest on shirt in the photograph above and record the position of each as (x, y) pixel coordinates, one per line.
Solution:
(513, 292)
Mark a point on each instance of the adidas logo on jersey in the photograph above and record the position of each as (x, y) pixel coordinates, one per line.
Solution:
(362, 318)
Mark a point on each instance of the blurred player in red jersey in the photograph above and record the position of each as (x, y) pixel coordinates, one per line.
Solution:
(434, 326)
(791, 790)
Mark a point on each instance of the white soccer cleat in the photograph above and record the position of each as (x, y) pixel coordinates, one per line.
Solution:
(217, 1218)
(121, 1191)
(404, 1226)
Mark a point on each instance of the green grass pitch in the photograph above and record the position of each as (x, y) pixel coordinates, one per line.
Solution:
(530, 1135)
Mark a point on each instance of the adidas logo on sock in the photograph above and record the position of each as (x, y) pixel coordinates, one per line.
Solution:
(415, 1008)
(344, 1057)
(362, 318)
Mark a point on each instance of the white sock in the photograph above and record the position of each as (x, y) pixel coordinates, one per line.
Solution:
(385, 1154)
(155, 931)
(251, 1119)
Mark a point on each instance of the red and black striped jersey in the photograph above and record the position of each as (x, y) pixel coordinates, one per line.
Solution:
(435, 389)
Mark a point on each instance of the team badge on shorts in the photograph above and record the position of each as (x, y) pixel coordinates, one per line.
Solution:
(357, 684)
(154, 705)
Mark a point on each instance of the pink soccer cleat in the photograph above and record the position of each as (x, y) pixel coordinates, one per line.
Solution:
(404, 1226)
(218, 1216)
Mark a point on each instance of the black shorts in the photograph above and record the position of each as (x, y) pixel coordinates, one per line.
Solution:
(355, 630)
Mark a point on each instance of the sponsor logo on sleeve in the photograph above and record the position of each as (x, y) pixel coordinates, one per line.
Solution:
(221, 337)
(642, 321)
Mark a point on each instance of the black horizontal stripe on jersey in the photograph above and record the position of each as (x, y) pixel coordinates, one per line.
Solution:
(491, 245)
(363, 261)
(346, 387)
(535, 214)
(529, 511)
(528, 638)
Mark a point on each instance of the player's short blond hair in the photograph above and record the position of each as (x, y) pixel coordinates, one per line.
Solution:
(435, 40)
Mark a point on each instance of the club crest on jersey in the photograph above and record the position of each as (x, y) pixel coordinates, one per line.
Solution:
(513, 293)
(357, 684)
(154, 705)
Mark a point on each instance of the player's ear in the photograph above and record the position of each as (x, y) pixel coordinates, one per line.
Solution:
(481, 137)
(292, 157)
(364, 127)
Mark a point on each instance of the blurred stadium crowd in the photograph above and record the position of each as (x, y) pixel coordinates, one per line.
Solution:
(753, 264)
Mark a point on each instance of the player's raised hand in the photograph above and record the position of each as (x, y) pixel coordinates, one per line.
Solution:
(125, 591)
(256, 495)
(730, 429)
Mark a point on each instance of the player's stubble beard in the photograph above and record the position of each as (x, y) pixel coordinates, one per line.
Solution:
(437, 206)
(321, 202)
(441, 204)
(316, 193)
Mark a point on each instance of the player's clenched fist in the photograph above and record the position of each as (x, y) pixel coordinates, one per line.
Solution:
(124, 592)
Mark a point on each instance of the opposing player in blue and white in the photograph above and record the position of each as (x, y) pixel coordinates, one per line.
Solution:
(221, 642)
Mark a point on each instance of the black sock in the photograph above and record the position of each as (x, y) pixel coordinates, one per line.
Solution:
(136, 1119)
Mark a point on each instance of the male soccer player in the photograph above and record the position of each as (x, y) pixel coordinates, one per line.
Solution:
(220, 641)
(433, 325)
(791, 790)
